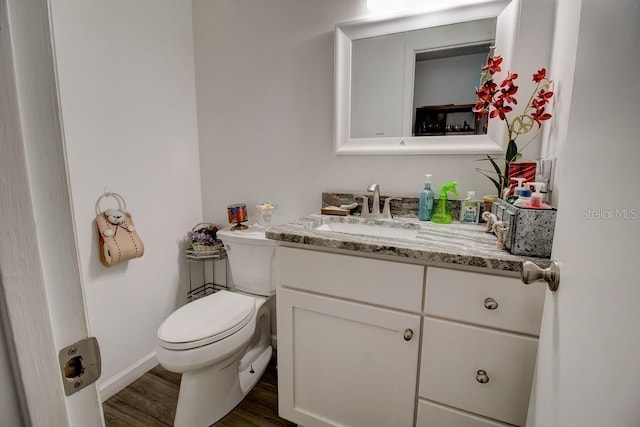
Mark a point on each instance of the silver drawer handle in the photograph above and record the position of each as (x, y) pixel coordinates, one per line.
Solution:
(408, 334)
(482, 377)
(490, 304)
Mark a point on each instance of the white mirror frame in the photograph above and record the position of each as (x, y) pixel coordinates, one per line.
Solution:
(345, 33)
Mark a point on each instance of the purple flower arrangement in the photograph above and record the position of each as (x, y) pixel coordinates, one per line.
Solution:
(206, 236)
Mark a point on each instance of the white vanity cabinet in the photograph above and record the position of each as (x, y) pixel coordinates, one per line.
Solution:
(369, 342)
(348, 339)
(479, 348)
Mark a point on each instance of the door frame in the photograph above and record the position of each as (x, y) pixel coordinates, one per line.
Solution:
(41, 287)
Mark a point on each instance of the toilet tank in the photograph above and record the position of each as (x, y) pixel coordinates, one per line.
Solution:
(252, 260)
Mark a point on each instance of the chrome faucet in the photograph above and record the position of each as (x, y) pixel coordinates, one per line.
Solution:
(375, 210)
(375, 188)
(365, 205)
(386, 212)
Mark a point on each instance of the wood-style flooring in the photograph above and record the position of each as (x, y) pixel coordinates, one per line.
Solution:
(151, 401)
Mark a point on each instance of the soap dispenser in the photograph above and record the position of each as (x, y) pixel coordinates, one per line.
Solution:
(520, 186)
(427, 196)
(442, 214)
(536, 197)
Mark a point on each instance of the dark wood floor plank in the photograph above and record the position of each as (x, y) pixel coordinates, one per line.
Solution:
(151, 401)
(171, 377)
(119, 414)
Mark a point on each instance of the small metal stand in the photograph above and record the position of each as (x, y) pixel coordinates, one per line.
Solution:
(204, 258)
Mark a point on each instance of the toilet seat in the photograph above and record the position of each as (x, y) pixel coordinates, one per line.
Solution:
(206, 320)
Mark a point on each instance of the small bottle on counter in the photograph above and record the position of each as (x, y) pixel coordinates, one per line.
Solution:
(427, 196)
(470, 209)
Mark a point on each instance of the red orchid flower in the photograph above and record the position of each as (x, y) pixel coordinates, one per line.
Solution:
(481, 107)
(487, 92)
(539, 116)
(540, 75)
(507, 94)
(544, 94)
(500, 109)
(493, 64)
(508, 81)
(537, 102)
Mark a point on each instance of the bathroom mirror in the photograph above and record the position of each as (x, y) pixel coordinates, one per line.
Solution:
(379, 90)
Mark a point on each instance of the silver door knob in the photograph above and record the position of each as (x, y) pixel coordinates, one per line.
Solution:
(482, 377)
(408, 334)
(490, 303)
(532, 273)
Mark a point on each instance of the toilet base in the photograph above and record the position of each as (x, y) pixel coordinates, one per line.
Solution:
(202, 400)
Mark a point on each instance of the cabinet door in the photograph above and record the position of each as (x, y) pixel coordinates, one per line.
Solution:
(344, 363)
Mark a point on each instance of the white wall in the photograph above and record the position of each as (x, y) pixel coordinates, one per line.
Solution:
(127, 93)
(447, 80)
(264, 74)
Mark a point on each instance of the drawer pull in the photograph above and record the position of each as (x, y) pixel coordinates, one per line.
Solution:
(408, 334)
(490, 304)
(482, 377)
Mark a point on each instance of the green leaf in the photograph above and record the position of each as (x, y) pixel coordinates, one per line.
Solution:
(495, 167)
(512, 152)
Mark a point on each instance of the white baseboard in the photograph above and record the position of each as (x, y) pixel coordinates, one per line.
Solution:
(118, 382)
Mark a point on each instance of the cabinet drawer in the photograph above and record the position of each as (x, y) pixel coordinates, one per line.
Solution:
(384, 283)
(483, 299)
(433, 415)
(452, 356)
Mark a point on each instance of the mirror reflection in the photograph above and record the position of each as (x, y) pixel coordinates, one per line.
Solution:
(419, 83)
(444, 91)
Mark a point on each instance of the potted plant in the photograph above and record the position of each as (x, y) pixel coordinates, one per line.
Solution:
(204, 237)
(497, 100)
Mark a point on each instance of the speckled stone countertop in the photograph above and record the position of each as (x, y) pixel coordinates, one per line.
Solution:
(455, 244)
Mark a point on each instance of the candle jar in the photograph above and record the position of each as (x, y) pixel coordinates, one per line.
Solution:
(237, 214)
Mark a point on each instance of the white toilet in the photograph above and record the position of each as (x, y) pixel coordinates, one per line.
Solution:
(222, 343)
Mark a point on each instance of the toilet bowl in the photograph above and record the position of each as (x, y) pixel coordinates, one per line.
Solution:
(222, 343)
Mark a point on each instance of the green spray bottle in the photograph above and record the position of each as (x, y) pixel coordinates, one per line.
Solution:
(442, 213)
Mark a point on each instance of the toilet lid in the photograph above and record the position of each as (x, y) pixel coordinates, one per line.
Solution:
(206, 320)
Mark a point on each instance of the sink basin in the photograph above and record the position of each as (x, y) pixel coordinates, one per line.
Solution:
(406, 231)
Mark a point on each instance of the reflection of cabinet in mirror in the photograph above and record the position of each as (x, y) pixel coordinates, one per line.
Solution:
(448, 120)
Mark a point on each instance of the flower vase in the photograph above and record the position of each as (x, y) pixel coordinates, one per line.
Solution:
(265, 212)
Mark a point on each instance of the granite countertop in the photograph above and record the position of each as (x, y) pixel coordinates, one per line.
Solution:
(455, 244)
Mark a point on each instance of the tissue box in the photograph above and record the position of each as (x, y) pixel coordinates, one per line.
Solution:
(529, 231)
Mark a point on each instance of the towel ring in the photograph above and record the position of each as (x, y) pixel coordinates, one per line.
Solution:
(121, 203)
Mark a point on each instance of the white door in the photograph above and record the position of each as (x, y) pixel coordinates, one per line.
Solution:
(588, 371)
(41, 302)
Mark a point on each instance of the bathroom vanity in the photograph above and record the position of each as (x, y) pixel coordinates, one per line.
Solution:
(432, 330)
